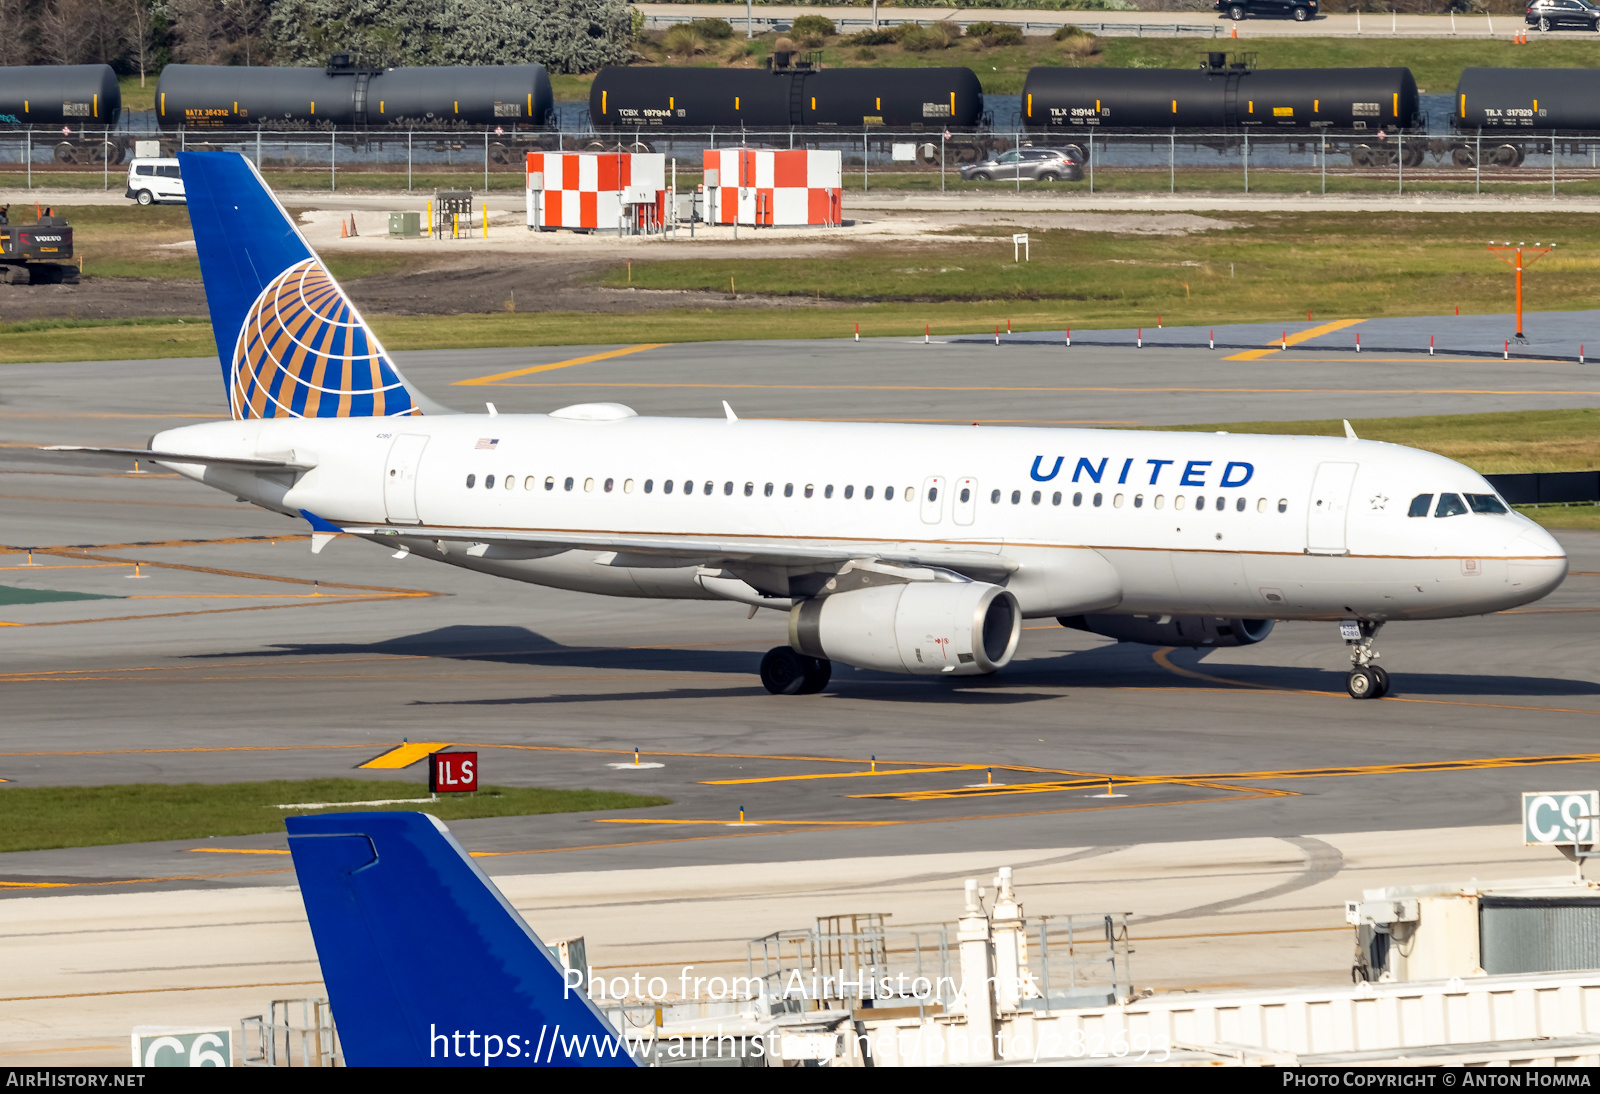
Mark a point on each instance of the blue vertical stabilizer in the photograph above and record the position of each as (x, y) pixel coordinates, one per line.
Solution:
(291, 343)
(425, 961)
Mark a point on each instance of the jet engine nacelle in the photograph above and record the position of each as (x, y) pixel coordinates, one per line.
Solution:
(1173, 630)
(960, 628)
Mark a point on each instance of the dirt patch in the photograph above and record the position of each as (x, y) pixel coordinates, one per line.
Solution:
(104, 298)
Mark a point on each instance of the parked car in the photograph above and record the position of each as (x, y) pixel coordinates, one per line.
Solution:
(1299, 10)
(1557, 14)
(1041, 164)
(151, 182)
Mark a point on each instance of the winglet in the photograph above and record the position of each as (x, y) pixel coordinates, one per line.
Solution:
(728, 410)
(1349, 431)
(425, 962)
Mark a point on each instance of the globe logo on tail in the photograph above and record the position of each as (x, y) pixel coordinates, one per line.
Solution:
(305, 352)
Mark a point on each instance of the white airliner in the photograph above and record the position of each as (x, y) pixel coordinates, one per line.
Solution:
(906, 548)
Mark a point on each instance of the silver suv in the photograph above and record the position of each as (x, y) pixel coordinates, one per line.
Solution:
(1040, 164)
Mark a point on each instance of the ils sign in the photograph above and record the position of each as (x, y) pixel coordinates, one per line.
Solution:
(1560, 816)
(452, 772)
(168, 1046)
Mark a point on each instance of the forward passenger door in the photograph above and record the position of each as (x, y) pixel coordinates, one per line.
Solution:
(1330, 504)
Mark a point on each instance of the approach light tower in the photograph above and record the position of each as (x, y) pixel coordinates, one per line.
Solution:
(1513, 255)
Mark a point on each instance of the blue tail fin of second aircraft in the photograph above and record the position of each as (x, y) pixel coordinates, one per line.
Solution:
(290, 341)
(424, 960)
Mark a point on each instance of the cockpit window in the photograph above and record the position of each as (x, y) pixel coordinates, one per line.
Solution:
(1420, 505)
(1485, 503)
(1450, 505)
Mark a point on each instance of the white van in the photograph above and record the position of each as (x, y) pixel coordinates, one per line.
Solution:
(156, 180)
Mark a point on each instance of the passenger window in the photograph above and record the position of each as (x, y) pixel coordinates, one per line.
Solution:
(588, 486)
(727, 489)
(549, 482)
(1485, 503)
(627, 486)
(1238, 506)
(488, 482)
(749, 489)
(1116, 502)
(1055, 499)
(706, 490)
(866, 493)
(827, 491)
(888, 493)
(1199, 501)
(688, 487)
(1161, 501)
(909, 493)
(1177, 501)
(1097, 499)
(567, 484)
(966, 495)
(788, 489)
(933, 493)
(1016, 497)
(1220, 504)
(1450, 505)
(531, 482)
(666, 486)
(768, 490)
(472, 480)
(849, 492)
(1420, 505)
(1138, 501)
(1037, 497)
(609, 484)
(1283, 505)
(994, 497)
(511, 482)
(649, 485)
(1077, 499)
(1261, 505)
(810, 489)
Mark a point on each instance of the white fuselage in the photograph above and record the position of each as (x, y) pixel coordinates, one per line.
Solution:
(1083, 519)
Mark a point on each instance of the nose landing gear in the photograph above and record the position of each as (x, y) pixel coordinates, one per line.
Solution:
(1367, 680)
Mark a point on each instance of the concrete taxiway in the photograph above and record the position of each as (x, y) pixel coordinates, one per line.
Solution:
(232, 653)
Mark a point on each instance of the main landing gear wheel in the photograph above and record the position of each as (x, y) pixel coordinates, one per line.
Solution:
(1362, 683)
(786, 672)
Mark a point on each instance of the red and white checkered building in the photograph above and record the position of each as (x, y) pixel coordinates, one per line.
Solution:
(597, 191)
(774, 188)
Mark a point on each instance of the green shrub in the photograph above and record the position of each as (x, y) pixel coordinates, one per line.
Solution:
(881, 36)
(714, 29)
(866, 53)
(915, 39)
(809, 25)
(684, 41)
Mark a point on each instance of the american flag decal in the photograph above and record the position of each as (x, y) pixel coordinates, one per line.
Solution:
(486, 443)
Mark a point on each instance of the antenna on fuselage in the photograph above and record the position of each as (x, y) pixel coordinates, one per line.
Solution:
(728, 410)
(1349, 431)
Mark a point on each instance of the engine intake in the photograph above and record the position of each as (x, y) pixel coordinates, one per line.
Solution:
(1172, 630)
(960, 628)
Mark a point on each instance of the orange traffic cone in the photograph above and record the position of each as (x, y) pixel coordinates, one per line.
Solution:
(344, 229)
(1234, 33)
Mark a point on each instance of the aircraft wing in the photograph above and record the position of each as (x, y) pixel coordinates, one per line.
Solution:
(706, 550)
(287, 462)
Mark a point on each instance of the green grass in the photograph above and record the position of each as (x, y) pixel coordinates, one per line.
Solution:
(38, 818)
(1492, 444)
(1271, 267)
(11, 595)
(1571, 518)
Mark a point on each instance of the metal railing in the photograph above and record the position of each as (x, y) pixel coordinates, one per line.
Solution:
(763, 24)
(854, 961)
(281, 1041)
(1083, 960)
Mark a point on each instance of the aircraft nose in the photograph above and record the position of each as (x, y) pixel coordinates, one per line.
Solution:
(1537, 563)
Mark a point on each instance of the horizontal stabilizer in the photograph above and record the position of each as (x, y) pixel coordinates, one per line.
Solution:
(425, 962)
(285, 463)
